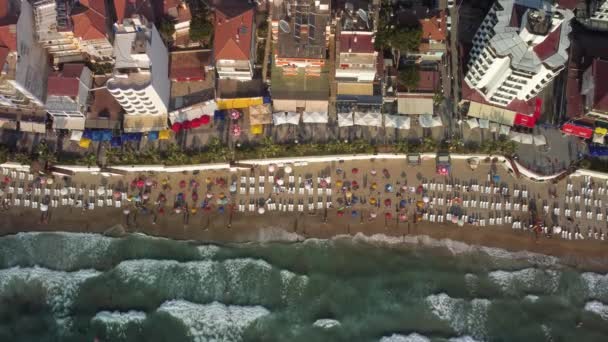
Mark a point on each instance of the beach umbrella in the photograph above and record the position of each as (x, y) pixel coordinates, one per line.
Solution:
(496, 178)
(261, 210)
(349, 194)
(64, 191)
(419, 189)
(374, 186)
(220, 210)
(205, 119)
(235, 114)
(288, 169)
(402, 203)
(355, 200)
(117, 194)
(388, 215)
(386, 173)
(373, 201)
(372, 214)
(323, 183)
(419, 204)
(182, 184)
(149, 182)
(271, 168)
(193, 211)
(233, 187)
(388, 188)
(126, 211)
(339, 171)
(145, 196)
(7, 180)
(49, 181)
(355, 185)
(402, 217)
(140, 183)
(194, 196)
(425, 199)
(209, 195)
(404, 187)
(44, 207)
(354, 171)
(101, 191)
(340, 213)
(373, 172)
(307, 186)
(387, 202)
(339, 183)
(461, 222)
(354, 213)
(280, 182)
(454, 219)
(178, 210)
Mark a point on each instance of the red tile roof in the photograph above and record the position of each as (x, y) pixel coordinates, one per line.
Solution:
(65, 82)
(434, 27)
(516, 105)
(516, 14)
(550, 45)
(8, 22)
(600, 75)
(189, 65)
(569, 4)
(232, 39)
(356, 43)
(429, 80)
(126, 8)
(89, 20)
(3, 54)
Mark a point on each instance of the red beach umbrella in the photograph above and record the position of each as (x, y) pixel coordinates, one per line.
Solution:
(340, 213)
(195, 123)
(355, 171)
(205, 119)
(182, 183)
(176, 127)
(387, 202)
(236, 130)
(141, 183)
(388, 216)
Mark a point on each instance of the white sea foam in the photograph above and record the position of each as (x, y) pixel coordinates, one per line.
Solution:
(208, 251)
(215, 321)
(115, 322)
(326, 323)
(232, 279)
(597, 308)
(465, 317)
(462, 339)
(33, 248)
(472, 282)
(528, 279)
(596, 285)
(414, 337)
(531, 298)
(59, 287)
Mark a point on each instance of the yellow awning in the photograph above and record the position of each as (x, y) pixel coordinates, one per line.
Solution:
(257, 129)
(601, 131)
(165, 134)
(238, 103)
(84, 142)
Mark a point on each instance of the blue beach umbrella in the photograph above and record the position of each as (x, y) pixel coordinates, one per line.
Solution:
(402, 203)
(354, 213)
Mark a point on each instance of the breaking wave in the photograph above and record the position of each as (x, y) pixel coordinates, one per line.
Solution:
(463, 316)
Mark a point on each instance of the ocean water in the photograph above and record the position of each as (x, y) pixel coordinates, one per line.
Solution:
(82, 287)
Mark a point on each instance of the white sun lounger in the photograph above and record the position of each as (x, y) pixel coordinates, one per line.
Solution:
(319, 205)
(524, 194)
(578, 214)
(243, 190)
(546, 209)
(108, 202)
(516, 192)
(589, 215)
(290, 207)
(11, 190)
(100, 203)
(425, 216)
(300, 207)
(301, 191)
(21, 175)
(491, 221)
(465, 204)
(599, 217)
(261, 189)
(252, 190)
(556, 211)
(311, 206)
(517, 207)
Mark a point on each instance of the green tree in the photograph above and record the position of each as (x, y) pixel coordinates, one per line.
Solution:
(217, 151)
(268, 149)
(409, 78)
(166, 28)
(200, 27)
(406, 39)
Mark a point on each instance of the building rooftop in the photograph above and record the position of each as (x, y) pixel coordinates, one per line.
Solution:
(127, 8)
(356, 42)
(300, 86)
(90, 19)
(102, 106)
(355, 15)
(600, 77)
(302, 28)
(65, 82)
(176, 9)
(131, 41)
(189, 64)
(9, 14)
(233, 31)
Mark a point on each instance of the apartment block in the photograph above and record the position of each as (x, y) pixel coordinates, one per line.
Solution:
(67, 95)
(234, 40)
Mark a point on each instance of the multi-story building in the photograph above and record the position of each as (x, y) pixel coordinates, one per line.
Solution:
(599, 14)
(519, 48)
(301, 30)
(140, 80)
(67, 94)
(433, 24)
(595, 90)
(357, 57)
(72, 31)
(234, 40)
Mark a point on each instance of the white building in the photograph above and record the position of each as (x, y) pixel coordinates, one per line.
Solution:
(234, 41)
(357, 57)
(519, 48)
(600, 15)
(140, 82)
(67, 95)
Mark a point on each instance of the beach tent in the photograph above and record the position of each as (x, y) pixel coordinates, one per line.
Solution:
(282, 118)
(428, 121)
(131, 137)
(257, 129)
(484, 123)
(473, 123)
(504, 129)
(106, 135)
(315, 117)
(540, 140)
(345, 119)
(84, 142)
(96, 135)
(165, 134)
(260, 114)
(527, 139)
(76, 135)
(515, 136)
(116, 142)
(193, 112)
(368, 119)
(153, 135)
(219, 115)
(494, 127)
(397, 121)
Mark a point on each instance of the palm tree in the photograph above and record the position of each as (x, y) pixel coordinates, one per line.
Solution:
(268, 149)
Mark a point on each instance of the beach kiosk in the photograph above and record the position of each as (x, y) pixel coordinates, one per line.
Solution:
(414, 159)
(443, 164)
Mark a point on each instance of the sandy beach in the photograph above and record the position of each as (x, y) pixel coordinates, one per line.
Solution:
(183, 206)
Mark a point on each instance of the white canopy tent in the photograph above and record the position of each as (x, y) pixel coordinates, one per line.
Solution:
(473, 123)
(345, 119)
(368, 119)
(484, 123)
(494, 127)
(397, 121)
(282, 118)
(504, 129)
(598, 138)
(428, 121)
(527, 139)
(193, 112)
(315, 117)
(540, 140)
(515, 136)
(76, 135)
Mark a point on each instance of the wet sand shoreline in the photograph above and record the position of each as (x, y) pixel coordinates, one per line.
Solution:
(584, 255)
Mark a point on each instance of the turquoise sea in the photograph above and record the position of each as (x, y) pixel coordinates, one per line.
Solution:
(82, 287)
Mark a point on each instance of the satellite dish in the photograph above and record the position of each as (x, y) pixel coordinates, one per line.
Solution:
(284, 26)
